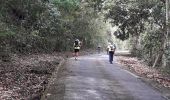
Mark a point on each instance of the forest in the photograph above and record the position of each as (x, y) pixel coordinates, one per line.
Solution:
(45, 27)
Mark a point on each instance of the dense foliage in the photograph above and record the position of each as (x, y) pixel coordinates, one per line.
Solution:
(47, 26)
(28, 26)
(143, 21)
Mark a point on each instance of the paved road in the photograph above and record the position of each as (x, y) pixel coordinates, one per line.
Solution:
(93, 78)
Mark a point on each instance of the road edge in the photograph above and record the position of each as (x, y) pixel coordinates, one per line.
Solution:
(147, 81)
(46, 93)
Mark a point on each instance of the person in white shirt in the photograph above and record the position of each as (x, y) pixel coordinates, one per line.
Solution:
(111, 50)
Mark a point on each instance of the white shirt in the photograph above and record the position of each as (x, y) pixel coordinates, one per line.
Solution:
(111, 46)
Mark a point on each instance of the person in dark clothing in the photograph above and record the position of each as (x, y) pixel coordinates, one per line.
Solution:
(98, 49)
(76, 48)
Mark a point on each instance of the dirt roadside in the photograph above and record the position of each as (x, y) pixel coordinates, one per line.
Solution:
(150, 76)
(25, 77)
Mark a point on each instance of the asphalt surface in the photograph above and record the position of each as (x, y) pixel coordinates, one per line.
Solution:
(94, 78)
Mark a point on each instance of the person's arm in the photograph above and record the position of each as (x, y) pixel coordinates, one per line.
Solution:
(115, 47)
(107, 48)
(80, 43)
(74, 45)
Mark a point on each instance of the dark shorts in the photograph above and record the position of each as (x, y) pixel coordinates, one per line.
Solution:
(76, 50)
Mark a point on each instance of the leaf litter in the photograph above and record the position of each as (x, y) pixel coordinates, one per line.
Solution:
(141, 69)
(26, 77)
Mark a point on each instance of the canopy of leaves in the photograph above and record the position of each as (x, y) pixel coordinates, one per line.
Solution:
(129, 16)
(47, 26)
(141, 20)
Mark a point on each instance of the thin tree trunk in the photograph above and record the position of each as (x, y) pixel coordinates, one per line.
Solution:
(156, 60)
(135, 43)
(164, 60)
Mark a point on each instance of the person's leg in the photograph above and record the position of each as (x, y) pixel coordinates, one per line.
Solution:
(113, 54)
(111, 57)
(76, 53)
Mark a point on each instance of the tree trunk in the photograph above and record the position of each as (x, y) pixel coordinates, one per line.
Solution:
(166, 42)
(135, 44)
(156, 60)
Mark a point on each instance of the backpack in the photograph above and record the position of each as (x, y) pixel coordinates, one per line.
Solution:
(76, 43)
(112, 48)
